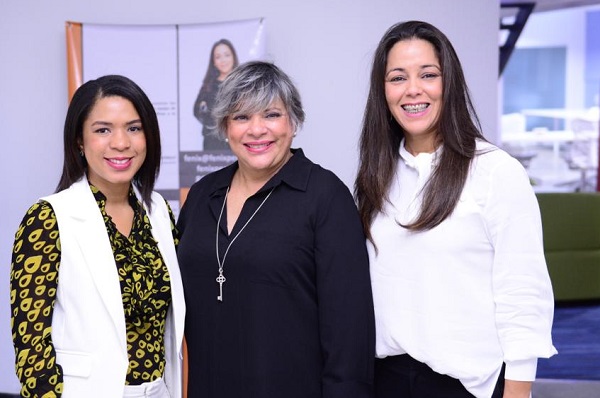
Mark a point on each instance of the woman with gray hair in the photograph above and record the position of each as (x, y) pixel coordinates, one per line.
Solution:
(273, 259)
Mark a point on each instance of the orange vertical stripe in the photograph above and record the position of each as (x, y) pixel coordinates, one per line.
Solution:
(74, 59)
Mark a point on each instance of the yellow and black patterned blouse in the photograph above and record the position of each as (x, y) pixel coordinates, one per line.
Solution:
(145, 288)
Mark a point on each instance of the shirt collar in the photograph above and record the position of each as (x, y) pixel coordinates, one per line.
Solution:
(295, 173)
(422, 159)
(134, 202)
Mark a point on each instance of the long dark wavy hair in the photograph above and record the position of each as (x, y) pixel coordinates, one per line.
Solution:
(82, 103)
(212, 73)
(457, 128)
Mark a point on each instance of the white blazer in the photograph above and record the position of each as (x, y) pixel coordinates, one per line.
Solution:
(88, 323)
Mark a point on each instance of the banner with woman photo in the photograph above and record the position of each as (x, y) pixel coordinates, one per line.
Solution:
(180, 67)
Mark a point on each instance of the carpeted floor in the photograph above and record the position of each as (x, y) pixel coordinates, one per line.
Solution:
(549, 388)
(576, 336)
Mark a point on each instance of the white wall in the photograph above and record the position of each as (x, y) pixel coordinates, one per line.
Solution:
(324, 45)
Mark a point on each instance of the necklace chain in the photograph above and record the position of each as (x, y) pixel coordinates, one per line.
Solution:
(221, 262)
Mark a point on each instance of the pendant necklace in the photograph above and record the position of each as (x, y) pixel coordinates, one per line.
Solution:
(221, 278)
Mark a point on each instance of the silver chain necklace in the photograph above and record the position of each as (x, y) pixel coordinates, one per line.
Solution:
(221, 278)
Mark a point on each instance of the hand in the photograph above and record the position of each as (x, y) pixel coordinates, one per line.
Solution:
(517, 389)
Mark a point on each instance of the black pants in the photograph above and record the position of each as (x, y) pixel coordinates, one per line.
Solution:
(404, 377)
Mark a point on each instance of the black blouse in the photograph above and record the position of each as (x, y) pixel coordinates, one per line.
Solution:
(296, 318)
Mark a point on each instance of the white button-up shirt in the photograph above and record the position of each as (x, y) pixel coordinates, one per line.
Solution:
(473, 292)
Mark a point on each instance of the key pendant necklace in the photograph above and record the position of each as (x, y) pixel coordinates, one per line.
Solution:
(221, 262)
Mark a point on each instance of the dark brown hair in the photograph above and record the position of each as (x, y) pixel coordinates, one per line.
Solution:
(84, 99)
(457, 128)
(212, 73)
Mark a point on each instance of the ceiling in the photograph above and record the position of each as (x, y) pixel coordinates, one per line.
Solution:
(549, 5)
(513, 19)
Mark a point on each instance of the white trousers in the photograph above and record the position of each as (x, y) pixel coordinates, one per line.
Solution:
(153, 389)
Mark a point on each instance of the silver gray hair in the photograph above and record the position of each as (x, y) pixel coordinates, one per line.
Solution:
(251, 88)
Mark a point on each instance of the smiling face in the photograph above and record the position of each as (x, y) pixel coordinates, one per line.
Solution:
(261, 141)
(223, 60)
(114, 143)
(413, 91)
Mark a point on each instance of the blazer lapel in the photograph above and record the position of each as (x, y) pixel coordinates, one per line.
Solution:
(98, 254)
(161, 231)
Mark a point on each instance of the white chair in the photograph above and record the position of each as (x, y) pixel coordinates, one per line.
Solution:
(582, 154)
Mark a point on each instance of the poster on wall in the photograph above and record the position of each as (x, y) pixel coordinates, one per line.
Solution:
(180, 67)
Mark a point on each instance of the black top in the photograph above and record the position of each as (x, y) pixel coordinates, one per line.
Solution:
(296, 318)
(207, 94)
(203, 106)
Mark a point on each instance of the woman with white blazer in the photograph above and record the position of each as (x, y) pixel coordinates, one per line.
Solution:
(96, 294)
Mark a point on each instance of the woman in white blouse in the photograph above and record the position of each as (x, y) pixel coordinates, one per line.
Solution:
(463, 301)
